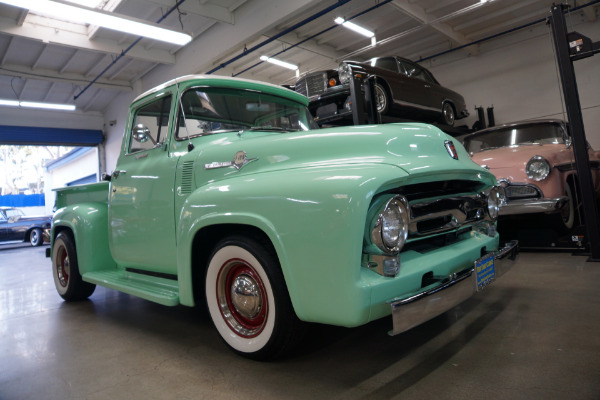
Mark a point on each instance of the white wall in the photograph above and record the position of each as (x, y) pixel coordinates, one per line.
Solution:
(84, 165)
(517, 74)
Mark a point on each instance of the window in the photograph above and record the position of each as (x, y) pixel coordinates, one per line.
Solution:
(387, 63)
(207, 111)
(151, 125)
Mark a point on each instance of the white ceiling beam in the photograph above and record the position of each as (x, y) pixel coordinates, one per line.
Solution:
(47, 95)
(8, 48)
(102, 62)
(80, 41)
(500, 12)
(39, 57)
(117, 71)
(69, 61)
(90, 102)
(418, 13)
(53, 76)
(21, 17)
(206, 10)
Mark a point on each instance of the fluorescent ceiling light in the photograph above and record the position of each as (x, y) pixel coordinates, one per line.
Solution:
(354, 27)
(279, 62)
(34, 104)
(82, 14)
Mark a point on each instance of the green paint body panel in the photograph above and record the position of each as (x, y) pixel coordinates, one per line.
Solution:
(309, 192)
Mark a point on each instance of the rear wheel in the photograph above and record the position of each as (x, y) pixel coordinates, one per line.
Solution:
(36, 237)
(382, 99)
(248, 300)
(448, 114)
(65, 270)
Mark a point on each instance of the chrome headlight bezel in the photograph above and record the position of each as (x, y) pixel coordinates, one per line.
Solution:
(391, 229)
(495, 199)
(538, 168)
(344, 72)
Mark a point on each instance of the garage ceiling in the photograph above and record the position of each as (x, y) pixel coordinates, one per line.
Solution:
(42, 59)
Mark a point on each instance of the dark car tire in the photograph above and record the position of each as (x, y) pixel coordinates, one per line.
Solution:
(36, 237)
(65, 270)
(258, 322)
(382, 99)
(448, 114)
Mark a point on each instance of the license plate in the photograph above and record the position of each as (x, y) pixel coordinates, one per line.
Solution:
(484, 271)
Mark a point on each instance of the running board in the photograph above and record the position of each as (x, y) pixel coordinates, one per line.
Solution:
(159, 290)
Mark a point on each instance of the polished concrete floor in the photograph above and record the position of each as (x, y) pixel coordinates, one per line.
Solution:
(534, 334)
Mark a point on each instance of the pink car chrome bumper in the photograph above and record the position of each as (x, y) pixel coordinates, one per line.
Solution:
(531, 206)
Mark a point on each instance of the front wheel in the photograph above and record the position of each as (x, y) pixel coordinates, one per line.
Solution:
(565, 220)
(65, 270)
(36, 237)
(248, 300)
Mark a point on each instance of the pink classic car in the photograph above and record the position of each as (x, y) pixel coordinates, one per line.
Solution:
(534, 162)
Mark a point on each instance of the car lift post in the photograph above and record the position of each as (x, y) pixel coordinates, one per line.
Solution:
(571, 95)
(364, 110)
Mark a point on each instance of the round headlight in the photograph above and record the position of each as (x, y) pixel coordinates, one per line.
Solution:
(537, 168)
(344, 72)
(391, 230)
(494, 201)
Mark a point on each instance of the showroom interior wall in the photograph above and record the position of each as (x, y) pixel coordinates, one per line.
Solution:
(516, 73)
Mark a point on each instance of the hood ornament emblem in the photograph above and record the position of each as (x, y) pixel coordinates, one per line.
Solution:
(239, 160)
(451, 149)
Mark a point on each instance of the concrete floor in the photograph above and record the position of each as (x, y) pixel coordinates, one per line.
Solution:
(534, 334)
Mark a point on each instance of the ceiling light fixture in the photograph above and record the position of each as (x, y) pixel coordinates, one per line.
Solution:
(82, 14)
(354, 27)
(34, 104)
(279, 62)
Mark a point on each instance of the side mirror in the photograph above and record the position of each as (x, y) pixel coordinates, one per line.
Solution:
(141, 133)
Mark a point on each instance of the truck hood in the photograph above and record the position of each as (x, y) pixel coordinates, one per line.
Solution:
(415, 148)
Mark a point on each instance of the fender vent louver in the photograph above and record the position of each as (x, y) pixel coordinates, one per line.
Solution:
(187, 174)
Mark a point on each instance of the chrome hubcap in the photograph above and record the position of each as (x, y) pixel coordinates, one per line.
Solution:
(379, 99)
(448, 114)
(245, 296)
(63, 268)
(242, 298)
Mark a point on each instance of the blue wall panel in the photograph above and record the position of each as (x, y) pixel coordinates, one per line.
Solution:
(22, 200)
(29, 135)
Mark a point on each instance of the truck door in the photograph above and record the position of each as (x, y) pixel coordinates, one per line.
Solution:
(141, 208)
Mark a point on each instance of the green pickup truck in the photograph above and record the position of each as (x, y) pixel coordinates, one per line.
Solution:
(226, 193)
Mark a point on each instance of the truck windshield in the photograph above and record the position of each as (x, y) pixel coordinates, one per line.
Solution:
(514, 135)
(214, 110)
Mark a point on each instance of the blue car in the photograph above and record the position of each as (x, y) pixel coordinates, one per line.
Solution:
(15, 226)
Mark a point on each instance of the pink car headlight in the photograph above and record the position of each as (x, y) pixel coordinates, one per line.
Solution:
(537, 168)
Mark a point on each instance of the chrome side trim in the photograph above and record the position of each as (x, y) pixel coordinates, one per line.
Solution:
(527, 206)
(410, 311)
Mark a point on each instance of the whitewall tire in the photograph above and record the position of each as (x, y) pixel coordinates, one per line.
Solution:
(248, 301)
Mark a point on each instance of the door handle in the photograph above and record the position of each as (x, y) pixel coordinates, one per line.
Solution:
(117, 172)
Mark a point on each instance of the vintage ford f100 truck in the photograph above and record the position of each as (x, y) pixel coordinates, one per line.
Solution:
(227, 194)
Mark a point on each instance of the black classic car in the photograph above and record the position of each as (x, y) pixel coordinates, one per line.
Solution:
(15, 226)
(402, 88)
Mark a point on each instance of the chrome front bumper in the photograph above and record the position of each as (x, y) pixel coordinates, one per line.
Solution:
(408, 312)
(530, 206)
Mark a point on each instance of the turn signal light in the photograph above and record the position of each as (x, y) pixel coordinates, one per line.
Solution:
(332, 82)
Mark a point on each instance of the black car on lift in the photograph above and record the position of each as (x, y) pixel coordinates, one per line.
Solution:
(15, 226)
(403, 88)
